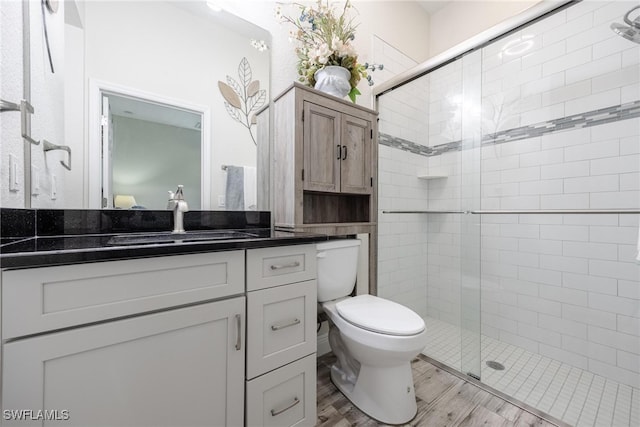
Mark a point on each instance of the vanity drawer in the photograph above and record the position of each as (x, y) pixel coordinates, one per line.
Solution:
(284, 397)
(48, 298)
(270, 267)
(281, 326)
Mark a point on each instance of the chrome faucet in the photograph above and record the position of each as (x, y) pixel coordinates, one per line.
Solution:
(179, 206)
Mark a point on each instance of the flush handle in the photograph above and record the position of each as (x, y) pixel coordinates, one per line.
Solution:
(275, 413)
(281, 266)
(286, 325)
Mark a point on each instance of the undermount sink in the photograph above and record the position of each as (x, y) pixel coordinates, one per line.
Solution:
(169, 237)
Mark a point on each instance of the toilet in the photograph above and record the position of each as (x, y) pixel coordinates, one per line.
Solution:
(373, 339)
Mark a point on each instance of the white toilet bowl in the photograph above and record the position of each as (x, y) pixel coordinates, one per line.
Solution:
(373, 339)
(380, 382)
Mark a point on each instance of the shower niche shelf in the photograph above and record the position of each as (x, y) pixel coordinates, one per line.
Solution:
(432, 177)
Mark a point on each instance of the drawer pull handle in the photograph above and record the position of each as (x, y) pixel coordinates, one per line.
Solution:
(281, 266)
(239, 332)
(286, 325)
(275, 413)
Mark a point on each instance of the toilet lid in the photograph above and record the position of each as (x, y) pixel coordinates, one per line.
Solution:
(380, 315)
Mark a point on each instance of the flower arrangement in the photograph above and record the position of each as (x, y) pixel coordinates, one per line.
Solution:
(325, 38)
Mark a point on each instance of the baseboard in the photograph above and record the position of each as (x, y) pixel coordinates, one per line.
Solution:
(323, 344)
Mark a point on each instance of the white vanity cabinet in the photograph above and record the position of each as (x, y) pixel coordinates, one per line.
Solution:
(281, 336)
(162, 341)
(102, 342)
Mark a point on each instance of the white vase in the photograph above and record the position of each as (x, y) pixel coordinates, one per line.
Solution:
(333, 80)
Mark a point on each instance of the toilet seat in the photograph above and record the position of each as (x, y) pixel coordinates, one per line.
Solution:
(380, 315)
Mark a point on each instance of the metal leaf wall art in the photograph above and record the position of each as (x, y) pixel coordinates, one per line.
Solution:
(244, 97)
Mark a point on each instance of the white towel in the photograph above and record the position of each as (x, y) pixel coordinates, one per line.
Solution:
(638, 255)
(250, 188)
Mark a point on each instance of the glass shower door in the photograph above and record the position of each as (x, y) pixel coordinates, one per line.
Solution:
(470, 230)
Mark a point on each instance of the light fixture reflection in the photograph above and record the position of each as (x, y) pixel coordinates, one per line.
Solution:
(517, 46)
(214, 5)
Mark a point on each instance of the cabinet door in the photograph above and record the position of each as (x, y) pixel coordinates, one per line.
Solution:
(180, 367)
(322, 149)
(356, 155)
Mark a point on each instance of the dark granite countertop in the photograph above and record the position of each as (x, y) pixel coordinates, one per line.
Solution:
(54, 237)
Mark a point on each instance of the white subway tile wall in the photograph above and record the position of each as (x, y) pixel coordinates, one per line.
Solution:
(565, 287)
(402, 242)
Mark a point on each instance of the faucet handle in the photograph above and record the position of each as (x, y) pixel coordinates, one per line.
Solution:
(178, 194)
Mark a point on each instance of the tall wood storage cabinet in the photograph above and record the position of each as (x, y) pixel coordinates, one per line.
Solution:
(325, 167)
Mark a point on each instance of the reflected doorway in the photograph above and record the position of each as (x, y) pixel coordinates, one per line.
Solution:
(148, 146)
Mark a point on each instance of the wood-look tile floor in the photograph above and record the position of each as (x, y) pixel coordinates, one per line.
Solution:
(443, 400)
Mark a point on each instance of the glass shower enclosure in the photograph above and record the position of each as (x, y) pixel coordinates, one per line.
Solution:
(509, 198)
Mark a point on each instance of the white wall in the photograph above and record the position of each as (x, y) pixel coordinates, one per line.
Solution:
(11, 90)
(46, 92)
(148, 159)
(403, 25)
(461, 20)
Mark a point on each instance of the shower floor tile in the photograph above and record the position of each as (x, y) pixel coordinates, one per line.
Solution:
(571, 394)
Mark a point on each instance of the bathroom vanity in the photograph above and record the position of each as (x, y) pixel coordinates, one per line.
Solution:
(158, 334)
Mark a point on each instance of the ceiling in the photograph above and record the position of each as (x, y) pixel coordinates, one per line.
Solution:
(432, 6)
(152, 112)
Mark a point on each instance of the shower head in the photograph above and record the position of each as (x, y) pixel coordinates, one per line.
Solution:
(628, 33)
(632, 30)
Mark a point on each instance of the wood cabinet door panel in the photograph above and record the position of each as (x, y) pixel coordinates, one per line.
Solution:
(356, 156)
(321, 148)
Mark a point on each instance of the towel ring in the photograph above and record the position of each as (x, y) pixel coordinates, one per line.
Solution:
(47, 146)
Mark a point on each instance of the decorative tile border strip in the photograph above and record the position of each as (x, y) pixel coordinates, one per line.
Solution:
(616, 113)
(404, 145)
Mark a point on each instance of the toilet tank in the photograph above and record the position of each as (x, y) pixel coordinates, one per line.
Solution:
(337, 268)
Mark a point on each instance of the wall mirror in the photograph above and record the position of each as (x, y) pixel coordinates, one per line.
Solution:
(180, 60)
